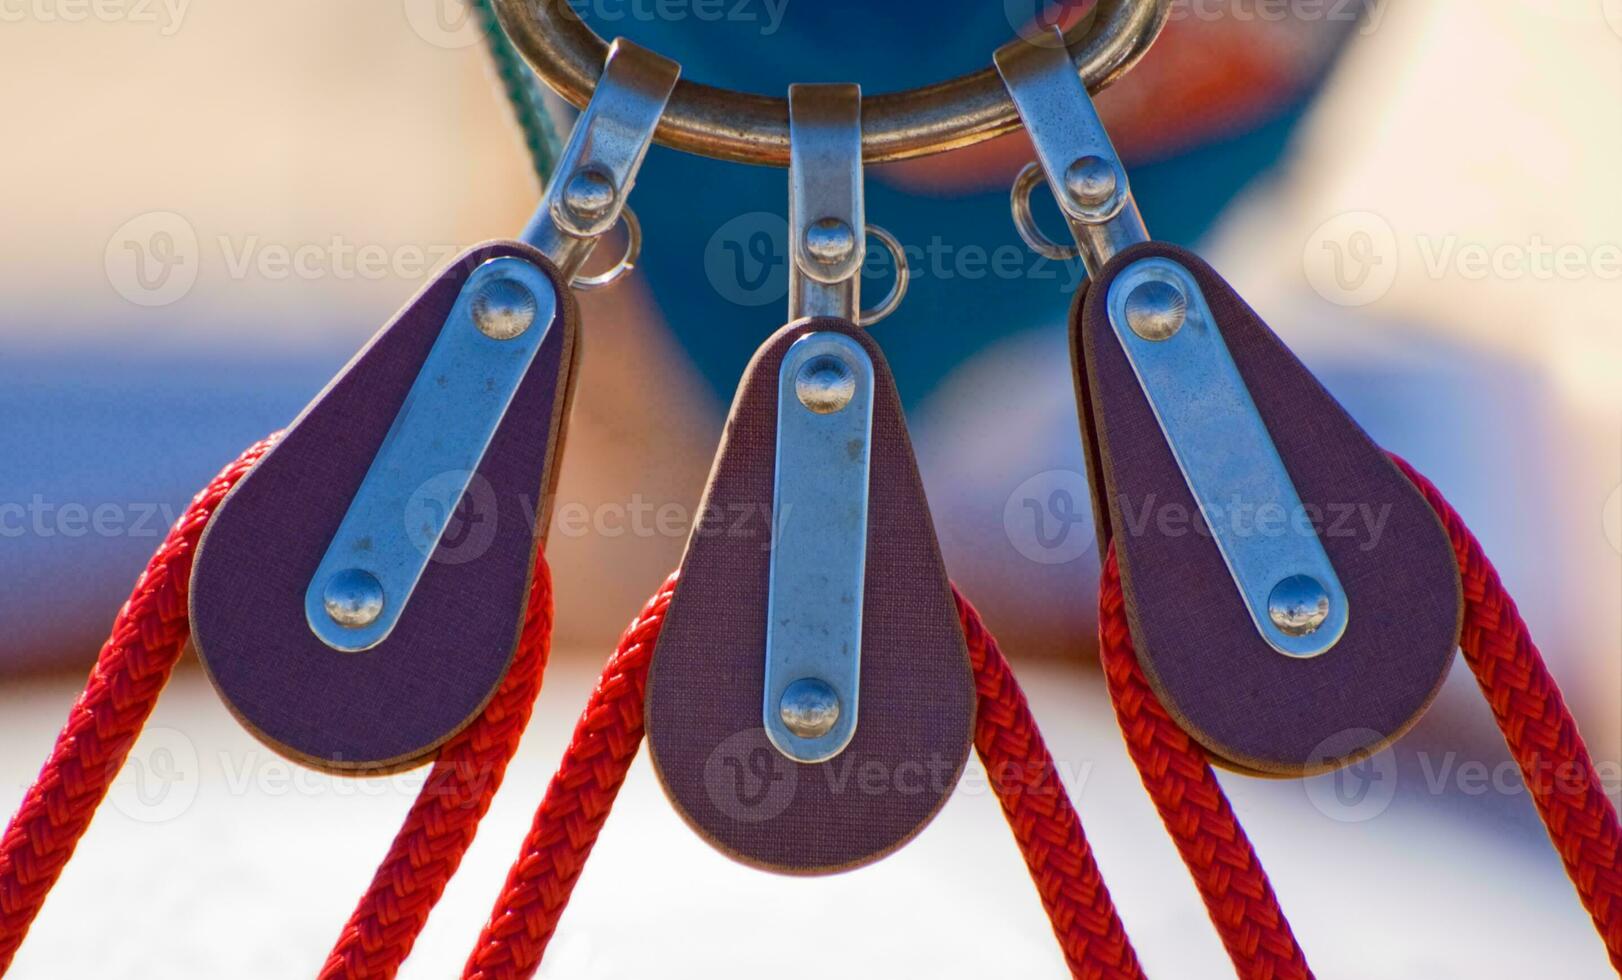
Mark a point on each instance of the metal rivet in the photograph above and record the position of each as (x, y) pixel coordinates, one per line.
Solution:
(825, 384)
(353, 598)
(809, 708)
(503, 309)
(1090, 181)
(1298, 605)
(589, 194)
(829, 241)
(1156, 310)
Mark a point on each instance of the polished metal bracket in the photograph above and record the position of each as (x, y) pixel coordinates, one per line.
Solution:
(827, 224)
(431, 454)
(1073, 151)
(1182, 363)
(484, 349)
(587, 193)
(1228, 459)
(819, 546)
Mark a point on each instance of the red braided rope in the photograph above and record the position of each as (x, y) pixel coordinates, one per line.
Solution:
(1540, 731)
(575, 807)
(445, 817)
(1041, 815)
(1538, 728)
(610, 732)
(147, 638)
(1196, 812)
(134, 665)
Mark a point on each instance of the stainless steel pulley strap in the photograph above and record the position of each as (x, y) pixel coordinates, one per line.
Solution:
(1175, 346)
(587, 194)
(568, 55)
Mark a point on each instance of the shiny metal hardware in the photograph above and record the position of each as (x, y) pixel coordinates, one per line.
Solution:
(827, 222)
(431, 454)
(353, 598)
(898, 289)
(587, 194)
(1156, 310)
(1083, 170)
(1299, 605)
(620, 269)
(1168, 332)
(1025, 222)
(1228, 458)
(819, 546)
(748, 128)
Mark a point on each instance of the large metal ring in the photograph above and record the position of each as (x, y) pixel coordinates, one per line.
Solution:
(568, 55)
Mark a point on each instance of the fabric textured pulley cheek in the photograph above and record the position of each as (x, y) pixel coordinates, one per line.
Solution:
(1248, 704)
(1295, 601)
(390, 705)
(359, 596)
(704, 711)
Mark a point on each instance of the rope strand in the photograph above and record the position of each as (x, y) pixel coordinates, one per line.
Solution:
(445, 816)
(130, 672)
(1039, 812)
(135, 664)
(1540, 732)
(151, 631)
(1539, 729)
(1238, 896)
(578, 801)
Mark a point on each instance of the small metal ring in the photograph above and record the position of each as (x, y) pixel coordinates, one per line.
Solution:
(898, 289)
(749, 128)
(627, 262)
(1025, 221)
